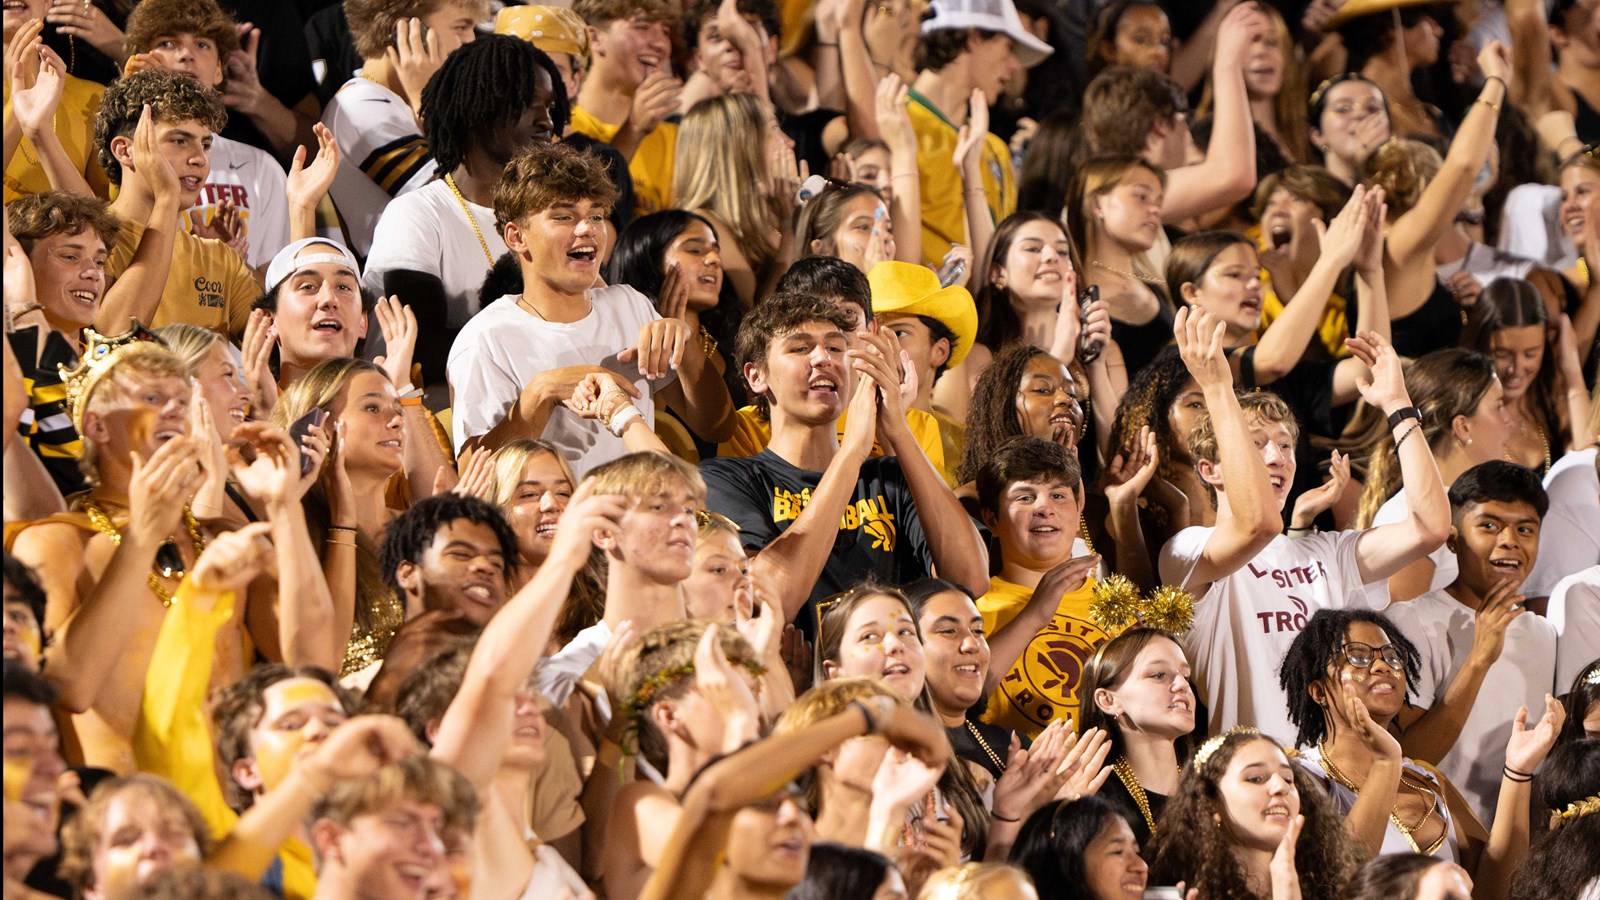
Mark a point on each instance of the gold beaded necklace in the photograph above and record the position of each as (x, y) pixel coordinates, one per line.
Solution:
(101, 521)
(450, 182)
(1125, 273)
(1405, 830)
(1130, 780)
(993, 756)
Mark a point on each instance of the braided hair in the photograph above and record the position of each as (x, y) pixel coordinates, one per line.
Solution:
(486, 84)
(1315, 649)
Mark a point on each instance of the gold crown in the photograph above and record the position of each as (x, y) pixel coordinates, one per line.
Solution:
(1577, 810)
(100, 354)
(1202, 755)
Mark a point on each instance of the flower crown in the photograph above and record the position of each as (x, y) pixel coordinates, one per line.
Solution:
(1117, 606)
(666, 678)
(101, 353)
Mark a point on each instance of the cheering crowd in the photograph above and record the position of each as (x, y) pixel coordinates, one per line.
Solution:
(812, 449)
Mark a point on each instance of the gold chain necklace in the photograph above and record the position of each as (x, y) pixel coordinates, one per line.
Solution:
(993, 756)
(472, 220)
(1394, 813)
(1125, 273)
(1083, 531)
(101, 521)
(1130, 780)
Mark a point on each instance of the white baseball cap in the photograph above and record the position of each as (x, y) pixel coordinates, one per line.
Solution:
(285, 262)
(989, 15)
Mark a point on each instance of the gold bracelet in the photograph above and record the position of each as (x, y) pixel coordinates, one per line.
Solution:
(340, 543)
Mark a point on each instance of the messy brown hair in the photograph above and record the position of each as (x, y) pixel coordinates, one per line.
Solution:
(34, 217)
(80, 836)
(545, 175)
(171, 96)
(152, 19)
(372, 22)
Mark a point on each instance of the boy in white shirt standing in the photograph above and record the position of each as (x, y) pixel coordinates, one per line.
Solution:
(1472, 632)
(1255, 587)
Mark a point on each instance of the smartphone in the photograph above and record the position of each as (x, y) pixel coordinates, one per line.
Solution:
(298, 431)
(1088, 347)
(954, 269)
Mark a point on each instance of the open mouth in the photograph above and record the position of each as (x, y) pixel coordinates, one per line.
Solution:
(1182, 705)
(161, 437)
(545, 530)
(967, 670)
(650, 61)
(823, 385)
(327, 326)
(1278, 482)
(1506, 566)
(1280, 236)
(584, 255)
(87, 298)
(394, 444)
(239, 413)
(896, 670)
(1277, 812)
(479, 593)
(15, 6)
(413, 875)
(191, 183)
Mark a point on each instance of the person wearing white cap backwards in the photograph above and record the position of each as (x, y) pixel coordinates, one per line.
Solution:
(969, 49)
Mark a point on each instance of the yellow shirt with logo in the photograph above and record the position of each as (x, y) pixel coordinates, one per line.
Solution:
(1332, 329)
(652, 164)
(73, 124)
(944, 214)
(208, 284)
(1042, 685)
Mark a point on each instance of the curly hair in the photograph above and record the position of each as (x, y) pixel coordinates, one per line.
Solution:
(547, 174)
(1315, 655)
(1403, 168)
(1195, 845)
(34, 217)
(1567, 857)
(152, 19)
(775, 317)
(992, 418)
(411, 533)
(486, 84)
(172, 97)
(1151, 394)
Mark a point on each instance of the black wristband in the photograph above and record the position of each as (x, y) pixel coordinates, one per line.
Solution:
(999, 818)
(872, 724)
(1402, 414)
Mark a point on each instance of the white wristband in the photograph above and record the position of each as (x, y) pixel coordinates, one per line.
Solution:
(621, 419)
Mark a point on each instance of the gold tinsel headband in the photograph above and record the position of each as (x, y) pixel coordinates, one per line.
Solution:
(1574, 811)
(1203, 755)
(1117, 606)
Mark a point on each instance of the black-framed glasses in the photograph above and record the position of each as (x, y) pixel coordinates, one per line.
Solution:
(1361, 655)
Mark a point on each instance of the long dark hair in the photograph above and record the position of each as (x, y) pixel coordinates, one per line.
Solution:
(1194, 844)
(841, 872)
(998, 324)
(1567, 857)
(1051, 843)
(1516, 303)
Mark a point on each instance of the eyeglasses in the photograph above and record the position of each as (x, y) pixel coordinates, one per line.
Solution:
(1361, 655)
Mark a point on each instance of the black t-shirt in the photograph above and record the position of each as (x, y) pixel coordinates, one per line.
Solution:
(806, 129)
(964, 741)
(283, 62)
(879, 533)
(1116, 793)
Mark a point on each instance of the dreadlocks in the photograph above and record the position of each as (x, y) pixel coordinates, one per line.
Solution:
(1315, 649)
(486, 84)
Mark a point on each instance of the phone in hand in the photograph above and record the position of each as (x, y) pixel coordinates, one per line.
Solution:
(1089, 347)
(298, 431)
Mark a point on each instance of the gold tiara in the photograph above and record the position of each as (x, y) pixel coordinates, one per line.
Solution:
(101, 353)
(1203, 755)
(1578, 810)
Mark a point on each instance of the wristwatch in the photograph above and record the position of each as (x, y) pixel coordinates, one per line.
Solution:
(1402, 414)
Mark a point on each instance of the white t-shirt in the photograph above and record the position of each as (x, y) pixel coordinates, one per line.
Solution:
(502, 348)
(1530, 226)
(426, 231)
(249, 178)
(1245, 622)
(558, 675)
(1569, 538)
(1445, 568)
(382, 155)
(1442, 628)
(1574, 612)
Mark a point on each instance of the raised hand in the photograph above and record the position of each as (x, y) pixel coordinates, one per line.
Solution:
(35, 104)
(475, 474)
(266, 463)
(1199, 338)
(1129, 473)
(242, 90)
(725, 691)
(902, 780)
(1369, 253)
(587, 516)
(21, 47)
(85, 21)
(763, 632)
(358, 748)
(894, 122)
(314, 446)
(308, 184)
(673, 303)
(233, 559)
(1030, 779)
(1083, 770)
(161, 487)
(227, 225)
(797, 657)
(970, 140)
(1313, 502)
(148, 164)
(1386, 389)
(658, 96)
(1494, 60)
(399, 326)
(1065, 578)
(1239, 29)
(260, 339)
(662, 343)
(1529, 746)
(1376, 738)
(1285, 879)
(1340, 240)
(418, 52)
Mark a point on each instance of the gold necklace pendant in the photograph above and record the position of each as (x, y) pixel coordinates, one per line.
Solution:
(163, 563)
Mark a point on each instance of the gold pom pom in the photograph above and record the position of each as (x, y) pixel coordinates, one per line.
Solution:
(1115, 605)
(1169, 608)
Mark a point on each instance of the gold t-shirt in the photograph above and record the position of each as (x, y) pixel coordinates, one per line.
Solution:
(74, 126)
(944, 214)
(208, 284)
(1042, 685)
(652, 163)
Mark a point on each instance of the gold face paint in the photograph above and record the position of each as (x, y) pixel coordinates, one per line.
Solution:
(17, 773)
(288, 707)
(32, 642)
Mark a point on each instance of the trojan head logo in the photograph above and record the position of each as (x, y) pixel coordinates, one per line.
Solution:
(1044, 682)
(882, 533)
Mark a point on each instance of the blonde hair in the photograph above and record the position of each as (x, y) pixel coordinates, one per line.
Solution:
(190, 343)
(1403, 168)
(106, 390)
(642, 474)
(512, 458)
(418, 778)
(970, 881)
(80, 836)
(722, 168)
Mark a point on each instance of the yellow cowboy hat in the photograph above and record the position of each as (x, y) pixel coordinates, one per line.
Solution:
(907, 289)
